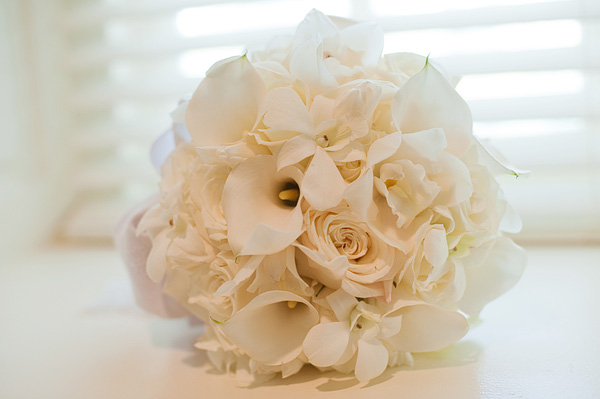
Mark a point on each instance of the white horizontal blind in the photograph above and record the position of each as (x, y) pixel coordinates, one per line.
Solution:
(531, 73)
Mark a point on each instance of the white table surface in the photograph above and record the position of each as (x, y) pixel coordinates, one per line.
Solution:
(69, 329)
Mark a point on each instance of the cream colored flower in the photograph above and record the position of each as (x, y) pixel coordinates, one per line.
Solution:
(341, 251)
(364, 331)
(272, 327)
(225, 104)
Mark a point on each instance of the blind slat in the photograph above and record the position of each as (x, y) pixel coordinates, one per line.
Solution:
(92, 58)
(545, 11)
(558, 106)
(96, 14)
(519, 61)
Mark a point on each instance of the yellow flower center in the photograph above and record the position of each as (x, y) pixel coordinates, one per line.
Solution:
(289, 194)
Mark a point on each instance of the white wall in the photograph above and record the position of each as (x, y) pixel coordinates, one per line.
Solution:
(33, 160)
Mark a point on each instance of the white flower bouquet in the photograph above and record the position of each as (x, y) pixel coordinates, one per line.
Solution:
(325, 205)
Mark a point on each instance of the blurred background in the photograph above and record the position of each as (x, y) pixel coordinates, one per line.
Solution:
(87, 85)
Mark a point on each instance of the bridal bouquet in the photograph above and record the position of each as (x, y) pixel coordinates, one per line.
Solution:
(326, 205)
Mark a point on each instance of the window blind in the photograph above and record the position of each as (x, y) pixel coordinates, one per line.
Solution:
(530, 72)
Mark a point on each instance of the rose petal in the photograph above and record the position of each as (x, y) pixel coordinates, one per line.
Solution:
(328, 272)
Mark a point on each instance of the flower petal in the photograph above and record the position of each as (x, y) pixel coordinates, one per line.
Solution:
(383, 148)
(365, 38)
(435, 247)
(511, 221)
(268, 330)
(323, 186)
(454, 178)
(156, 265)
(228, 288)
(325, 343)
(161, 149)
(306, 64)
(427, 328)
(427, 100)
(283, 109)
(371, 361)
(390, 325)
(314, 22)
(496, 166)
(359, 195)
(295, 150)
(496, 275)
(258, 222)
(427, 144)
(226, 103)
(342, 304)
(328, 272)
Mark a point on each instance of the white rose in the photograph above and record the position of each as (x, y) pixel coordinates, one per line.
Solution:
(341, 251)
(430, 273)
(205, 281)
(206, 189)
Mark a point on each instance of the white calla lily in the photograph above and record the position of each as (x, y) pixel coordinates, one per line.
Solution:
(427, 328)
(427, 100)
(258, 221)
(493, 277)
(226, 103)
(269, 330)
(497, 166)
